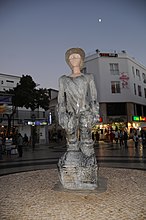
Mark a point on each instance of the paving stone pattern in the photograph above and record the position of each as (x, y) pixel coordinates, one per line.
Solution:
(34, 196)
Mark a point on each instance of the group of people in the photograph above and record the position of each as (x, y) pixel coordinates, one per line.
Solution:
(137, 137)
(7, 144)
(121, 137)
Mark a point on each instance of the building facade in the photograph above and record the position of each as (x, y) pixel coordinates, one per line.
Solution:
(121, 89)
(8, 81)
(23, 119)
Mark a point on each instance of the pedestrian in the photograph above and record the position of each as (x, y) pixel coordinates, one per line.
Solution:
(125, 138)
(20, 144)
(121, 137)
(111, 137)
(143, 138)
(116, 136)
(1, 149)
(93, 136)
(25, 139)
(97, 136)
(8, 145)
(136, 139)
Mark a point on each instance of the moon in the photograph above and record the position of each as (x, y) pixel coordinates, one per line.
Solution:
(99, 20)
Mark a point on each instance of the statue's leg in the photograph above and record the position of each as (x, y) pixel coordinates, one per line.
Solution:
(85, 124)
(72, 134)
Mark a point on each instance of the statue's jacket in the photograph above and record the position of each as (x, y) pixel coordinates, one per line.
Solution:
(77, 95)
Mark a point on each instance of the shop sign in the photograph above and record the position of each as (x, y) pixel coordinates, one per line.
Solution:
(6, 99)
(117, 119)
(5, 109)
(100, 119)
(124, 79)
(108, 54)
(36, 122)
(139, 118)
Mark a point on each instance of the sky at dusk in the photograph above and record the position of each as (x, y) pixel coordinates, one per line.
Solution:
(35, 34)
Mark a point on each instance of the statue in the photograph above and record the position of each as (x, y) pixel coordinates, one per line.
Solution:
(78, 111)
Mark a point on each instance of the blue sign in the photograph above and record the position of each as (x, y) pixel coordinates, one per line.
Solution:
(6, 100)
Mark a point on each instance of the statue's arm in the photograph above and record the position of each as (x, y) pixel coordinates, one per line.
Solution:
(62, 117)
(61, 96)
(94, 103)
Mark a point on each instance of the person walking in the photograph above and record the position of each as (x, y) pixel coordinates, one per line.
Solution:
(116, 136)
(121, 137)
(1, 149)
(143, 138)
(136, 139)
(20, 144)
(125, 138)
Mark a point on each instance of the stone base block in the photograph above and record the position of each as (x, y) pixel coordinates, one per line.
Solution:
(78, 171)
(79, 178)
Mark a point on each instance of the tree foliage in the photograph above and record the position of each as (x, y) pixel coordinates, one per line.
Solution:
(26, 94)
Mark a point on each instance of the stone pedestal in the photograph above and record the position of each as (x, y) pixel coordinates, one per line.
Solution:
(77, 171)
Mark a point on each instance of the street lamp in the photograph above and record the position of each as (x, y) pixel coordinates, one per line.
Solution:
(33, 117)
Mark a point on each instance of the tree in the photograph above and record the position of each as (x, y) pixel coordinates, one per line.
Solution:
(42, 98)
(26, 95)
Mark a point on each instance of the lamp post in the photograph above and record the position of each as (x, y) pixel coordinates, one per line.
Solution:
(33, 117)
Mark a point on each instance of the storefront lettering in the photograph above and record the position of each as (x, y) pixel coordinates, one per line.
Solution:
(124, 79)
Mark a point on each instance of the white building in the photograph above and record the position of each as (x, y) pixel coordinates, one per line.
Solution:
(22, 119)
(8, 81)
(121, 88)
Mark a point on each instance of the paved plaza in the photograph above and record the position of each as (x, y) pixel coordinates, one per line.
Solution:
(38, 195)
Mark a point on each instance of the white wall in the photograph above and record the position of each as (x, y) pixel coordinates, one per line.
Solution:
(99, 66)
(8, 81)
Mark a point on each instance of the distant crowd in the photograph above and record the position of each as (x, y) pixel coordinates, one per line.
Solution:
(13, 145)
(121, 137)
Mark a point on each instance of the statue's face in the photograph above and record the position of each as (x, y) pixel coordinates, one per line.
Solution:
(75, 60)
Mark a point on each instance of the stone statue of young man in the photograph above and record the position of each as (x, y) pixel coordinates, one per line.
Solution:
(78, 111)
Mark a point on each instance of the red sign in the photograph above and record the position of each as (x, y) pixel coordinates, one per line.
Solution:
(108, 54)
(124, 78)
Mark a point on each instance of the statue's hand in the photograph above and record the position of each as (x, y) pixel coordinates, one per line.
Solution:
(63, 120)
(96, 118)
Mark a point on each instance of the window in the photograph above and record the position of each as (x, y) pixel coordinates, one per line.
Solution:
(144, 109)
(139, 90)
(116, 109)
(84, 70)
(115, 87)
(138, 74)
(139, 109)
(145, 92)
(133, 71)
(134, 88)
(144, 77)
(114, 68)
(9, 81)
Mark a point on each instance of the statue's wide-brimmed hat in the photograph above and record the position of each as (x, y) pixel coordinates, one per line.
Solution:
(75, 50)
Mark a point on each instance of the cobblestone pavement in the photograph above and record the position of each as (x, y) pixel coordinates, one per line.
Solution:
(36, 195)
(44, 157)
